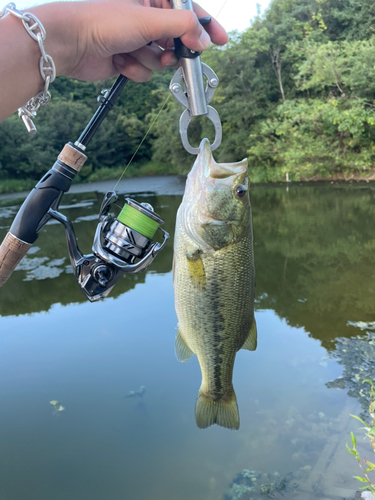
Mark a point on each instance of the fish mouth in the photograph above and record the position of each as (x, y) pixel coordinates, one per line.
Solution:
(206, 219)
(215, 170)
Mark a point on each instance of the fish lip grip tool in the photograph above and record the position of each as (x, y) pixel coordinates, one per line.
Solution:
(195, 97)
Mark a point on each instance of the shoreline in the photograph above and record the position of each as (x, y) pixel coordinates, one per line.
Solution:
(174, 184)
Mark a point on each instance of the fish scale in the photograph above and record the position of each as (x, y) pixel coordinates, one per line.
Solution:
(214, 283)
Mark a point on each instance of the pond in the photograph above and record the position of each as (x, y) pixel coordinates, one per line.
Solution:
(315, 290)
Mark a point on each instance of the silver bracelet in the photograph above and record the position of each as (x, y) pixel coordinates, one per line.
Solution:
(46, 65)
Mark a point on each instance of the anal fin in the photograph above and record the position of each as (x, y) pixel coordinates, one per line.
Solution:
(183, 351)
(251, 340)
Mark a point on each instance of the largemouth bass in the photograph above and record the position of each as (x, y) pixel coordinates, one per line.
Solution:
(213, 277)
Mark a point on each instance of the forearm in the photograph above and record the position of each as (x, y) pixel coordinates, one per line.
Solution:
(20, 77)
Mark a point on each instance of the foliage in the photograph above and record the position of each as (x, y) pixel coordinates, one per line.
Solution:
(308, 136)
(370, 433)
(296, 95)
(16, 185)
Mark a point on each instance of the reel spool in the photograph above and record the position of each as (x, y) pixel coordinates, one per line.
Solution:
(131, 233)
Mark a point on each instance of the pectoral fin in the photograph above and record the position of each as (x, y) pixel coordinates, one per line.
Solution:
(183, 351)
(251, 341)
(196, 270)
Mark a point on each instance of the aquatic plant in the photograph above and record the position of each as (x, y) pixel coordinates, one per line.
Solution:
(357, 356)
(237, 491)
(370, 433)
(242, 485)
(251, 484)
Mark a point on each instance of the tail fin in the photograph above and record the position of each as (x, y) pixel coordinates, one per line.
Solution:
(223, 412)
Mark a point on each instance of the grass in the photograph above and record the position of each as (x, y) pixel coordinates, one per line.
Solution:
(16, 185)
(257, 175)
(87, 175)
(134, 170)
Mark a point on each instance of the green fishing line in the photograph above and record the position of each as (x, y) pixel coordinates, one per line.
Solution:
(138, 221)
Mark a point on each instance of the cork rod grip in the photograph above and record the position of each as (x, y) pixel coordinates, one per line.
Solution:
(11, 252)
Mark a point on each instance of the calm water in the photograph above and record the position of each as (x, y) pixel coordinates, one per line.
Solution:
(314, 248)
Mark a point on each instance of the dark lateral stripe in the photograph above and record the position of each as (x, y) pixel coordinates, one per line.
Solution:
(218, 326)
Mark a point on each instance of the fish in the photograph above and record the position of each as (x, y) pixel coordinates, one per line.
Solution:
(214, 281)
(58, 407)
(133, 394)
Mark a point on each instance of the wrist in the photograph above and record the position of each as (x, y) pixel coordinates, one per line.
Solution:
(62, 33)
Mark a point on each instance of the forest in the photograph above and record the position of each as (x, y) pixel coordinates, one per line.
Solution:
(296, 97)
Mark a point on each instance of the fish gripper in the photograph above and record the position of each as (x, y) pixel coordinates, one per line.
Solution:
(194, 96)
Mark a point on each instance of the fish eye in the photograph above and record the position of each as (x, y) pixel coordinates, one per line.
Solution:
(240, 191)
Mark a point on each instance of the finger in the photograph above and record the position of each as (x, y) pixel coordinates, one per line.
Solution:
(168, 58)
(131, 68)
(165, 43)
(169, 23)
(215, 30)
(161, 4)
(149, 57)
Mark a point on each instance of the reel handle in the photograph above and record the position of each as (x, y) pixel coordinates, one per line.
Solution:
(12, 250)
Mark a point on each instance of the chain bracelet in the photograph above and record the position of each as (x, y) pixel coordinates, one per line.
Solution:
(46, 65)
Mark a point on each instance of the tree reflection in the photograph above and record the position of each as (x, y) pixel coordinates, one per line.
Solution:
(314, 250)
(314, 256)
(44, 277)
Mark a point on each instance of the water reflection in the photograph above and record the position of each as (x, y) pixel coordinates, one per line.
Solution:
(313, 252)
(48, 259)
(313, 255)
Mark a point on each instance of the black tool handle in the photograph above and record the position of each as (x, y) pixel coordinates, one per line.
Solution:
(182, 51)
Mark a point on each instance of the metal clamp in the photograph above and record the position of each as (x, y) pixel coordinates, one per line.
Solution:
(194, 97)
(185, 120)
(196, 105)
(177, 91)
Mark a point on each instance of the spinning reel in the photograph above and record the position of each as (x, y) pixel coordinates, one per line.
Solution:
(118, 247)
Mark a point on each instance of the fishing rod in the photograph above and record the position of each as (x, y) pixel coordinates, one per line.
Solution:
(122, 244)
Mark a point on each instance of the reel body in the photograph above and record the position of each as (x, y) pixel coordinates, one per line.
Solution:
(117, 248)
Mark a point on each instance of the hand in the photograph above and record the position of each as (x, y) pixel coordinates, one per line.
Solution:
(94, 40)
(113, 37)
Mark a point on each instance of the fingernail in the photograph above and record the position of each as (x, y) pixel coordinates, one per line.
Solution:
(172, 61)
(204, 39)
(118, 60)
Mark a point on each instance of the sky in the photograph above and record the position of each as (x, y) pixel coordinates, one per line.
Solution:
(234, 14)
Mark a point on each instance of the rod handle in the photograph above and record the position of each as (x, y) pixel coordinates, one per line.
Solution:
(12, 250)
